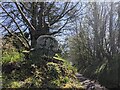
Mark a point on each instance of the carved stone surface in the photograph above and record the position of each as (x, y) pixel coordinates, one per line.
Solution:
(46, 45)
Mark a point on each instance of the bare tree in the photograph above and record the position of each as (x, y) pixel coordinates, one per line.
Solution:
(36, 18)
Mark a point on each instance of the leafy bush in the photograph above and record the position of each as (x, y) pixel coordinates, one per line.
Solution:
(12, 56)
(39, 75)
(53, 69)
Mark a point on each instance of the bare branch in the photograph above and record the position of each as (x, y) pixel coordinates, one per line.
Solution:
(16, 25)
(63, 14)
(25, 19)
(15, 36)
(59, 29)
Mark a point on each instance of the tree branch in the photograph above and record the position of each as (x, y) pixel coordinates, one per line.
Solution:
(15, 36)
(59, 29)
(63, 14)
(16, 24)
(25, 19)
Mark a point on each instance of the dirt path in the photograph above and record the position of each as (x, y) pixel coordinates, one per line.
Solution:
(89, 84)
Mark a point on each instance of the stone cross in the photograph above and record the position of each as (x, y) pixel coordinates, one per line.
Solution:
(47, 45)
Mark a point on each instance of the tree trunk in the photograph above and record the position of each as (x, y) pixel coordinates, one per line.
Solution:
(39, 23)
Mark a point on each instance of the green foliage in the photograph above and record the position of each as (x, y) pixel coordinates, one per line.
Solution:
(32, 82)
(66, 63)
(79, 53)
(94, 62)
(101, 68)
(15, 84)
(32, 74)
(57, 57)
(53, 69)
(12, 56)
